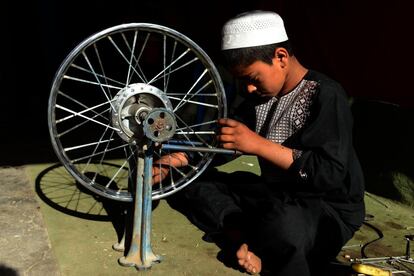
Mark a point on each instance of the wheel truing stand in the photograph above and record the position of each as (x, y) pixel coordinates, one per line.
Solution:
(124, 96)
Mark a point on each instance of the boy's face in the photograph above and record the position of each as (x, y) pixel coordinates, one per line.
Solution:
(263, 79)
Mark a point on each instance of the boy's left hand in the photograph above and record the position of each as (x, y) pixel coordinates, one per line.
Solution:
(236, 135)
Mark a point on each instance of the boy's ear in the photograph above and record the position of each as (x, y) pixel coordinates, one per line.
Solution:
(281, 53)
(281, 57)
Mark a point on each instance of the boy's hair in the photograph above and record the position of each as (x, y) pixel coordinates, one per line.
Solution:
(243, 57)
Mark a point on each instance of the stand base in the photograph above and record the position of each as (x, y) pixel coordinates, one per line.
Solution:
(130, 261)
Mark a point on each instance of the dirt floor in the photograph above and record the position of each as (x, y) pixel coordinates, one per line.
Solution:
(78, 229)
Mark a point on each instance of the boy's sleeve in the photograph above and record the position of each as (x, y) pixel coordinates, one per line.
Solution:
(325, 144)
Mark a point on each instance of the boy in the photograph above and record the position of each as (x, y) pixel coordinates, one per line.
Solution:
(308, 201)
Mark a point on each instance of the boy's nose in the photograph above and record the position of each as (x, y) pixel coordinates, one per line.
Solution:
(251, 88)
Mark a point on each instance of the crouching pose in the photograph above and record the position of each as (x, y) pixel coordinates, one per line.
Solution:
(307, 203)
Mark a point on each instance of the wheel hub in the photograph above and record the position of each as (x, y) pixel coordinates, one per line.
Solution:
(133, 104)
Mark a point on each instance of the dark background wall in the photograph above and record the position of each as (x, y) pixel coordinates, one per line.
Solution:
(365, 45)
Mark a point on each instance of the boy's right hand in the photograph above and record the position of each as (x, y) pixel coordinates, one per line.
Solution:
(236, 135)
(161, 167)
(159, 172)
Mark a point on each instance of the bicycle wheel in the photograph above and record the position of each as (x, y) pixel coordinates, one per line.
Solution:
(110, 82)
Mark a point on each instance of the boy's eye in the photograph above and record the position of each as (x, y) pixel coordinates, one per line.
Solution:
(254, 80)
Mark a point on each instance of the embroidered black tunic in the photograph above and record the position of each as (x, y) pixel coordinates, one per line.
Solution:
(314, 119)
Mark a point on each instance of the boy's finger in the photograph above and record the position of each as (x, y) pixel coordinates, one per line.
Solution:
(226, 130)
(228, 122)
(225, 138)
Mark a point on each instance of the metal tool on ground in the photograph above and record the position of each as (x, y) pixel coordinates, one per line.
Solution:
(384, 266)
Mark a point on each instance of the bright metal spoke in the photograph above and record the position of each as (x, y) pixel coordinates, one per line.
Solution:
(190, 90)
(102, 68)
(197, 125)
(118, 171)
(139, 57)
(86, 145)
(125, 58)
(83, 111)
(99, 75)
(176, 69)
(92, 82)
(83, 116)
(170, 65)
(98, 153)
(184, 101)
(96, 148)
(97, 79)
(132, 56)
(79, 125)
(191, 94)
(169, 70)
(81, 104)
(194, 102)
(191, 130)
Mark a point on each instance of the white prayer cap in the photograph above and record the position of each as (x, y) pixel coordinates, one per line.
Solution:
(254, 28)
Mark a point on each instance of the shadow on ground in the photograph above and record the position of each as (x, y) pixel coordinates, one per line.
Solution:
(58, 189)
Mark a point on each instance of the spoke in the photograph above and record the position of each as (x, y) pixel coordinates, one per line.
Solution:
(96, 148)
(191, 94)
(188, 139)
(164, 61)
(139, 57)
(197, 125)
(81, 104)
(91, 82)
(98, 153)
(86, 145)
(189, 91)
(176, 69)
(80, 124)
(83, 111)
(194, 102)
(191, 130)
(97, 79)
(99, 75)
(160, 167)
(171, 64)
(175, 168)
(118, 171)
(83, 116)
(124, 57)
(132, 54)
(169, 70)
(130, 170)
(102, 68)
(197, 93)
(196, 132)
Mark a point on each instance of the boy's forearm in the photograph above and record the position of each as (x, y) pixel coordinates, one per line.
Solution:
(275, 153)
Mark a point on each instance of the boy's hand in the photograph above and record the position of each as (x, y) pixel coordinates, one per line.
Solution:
(159, 173)
(161, 167)
(236, 135)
